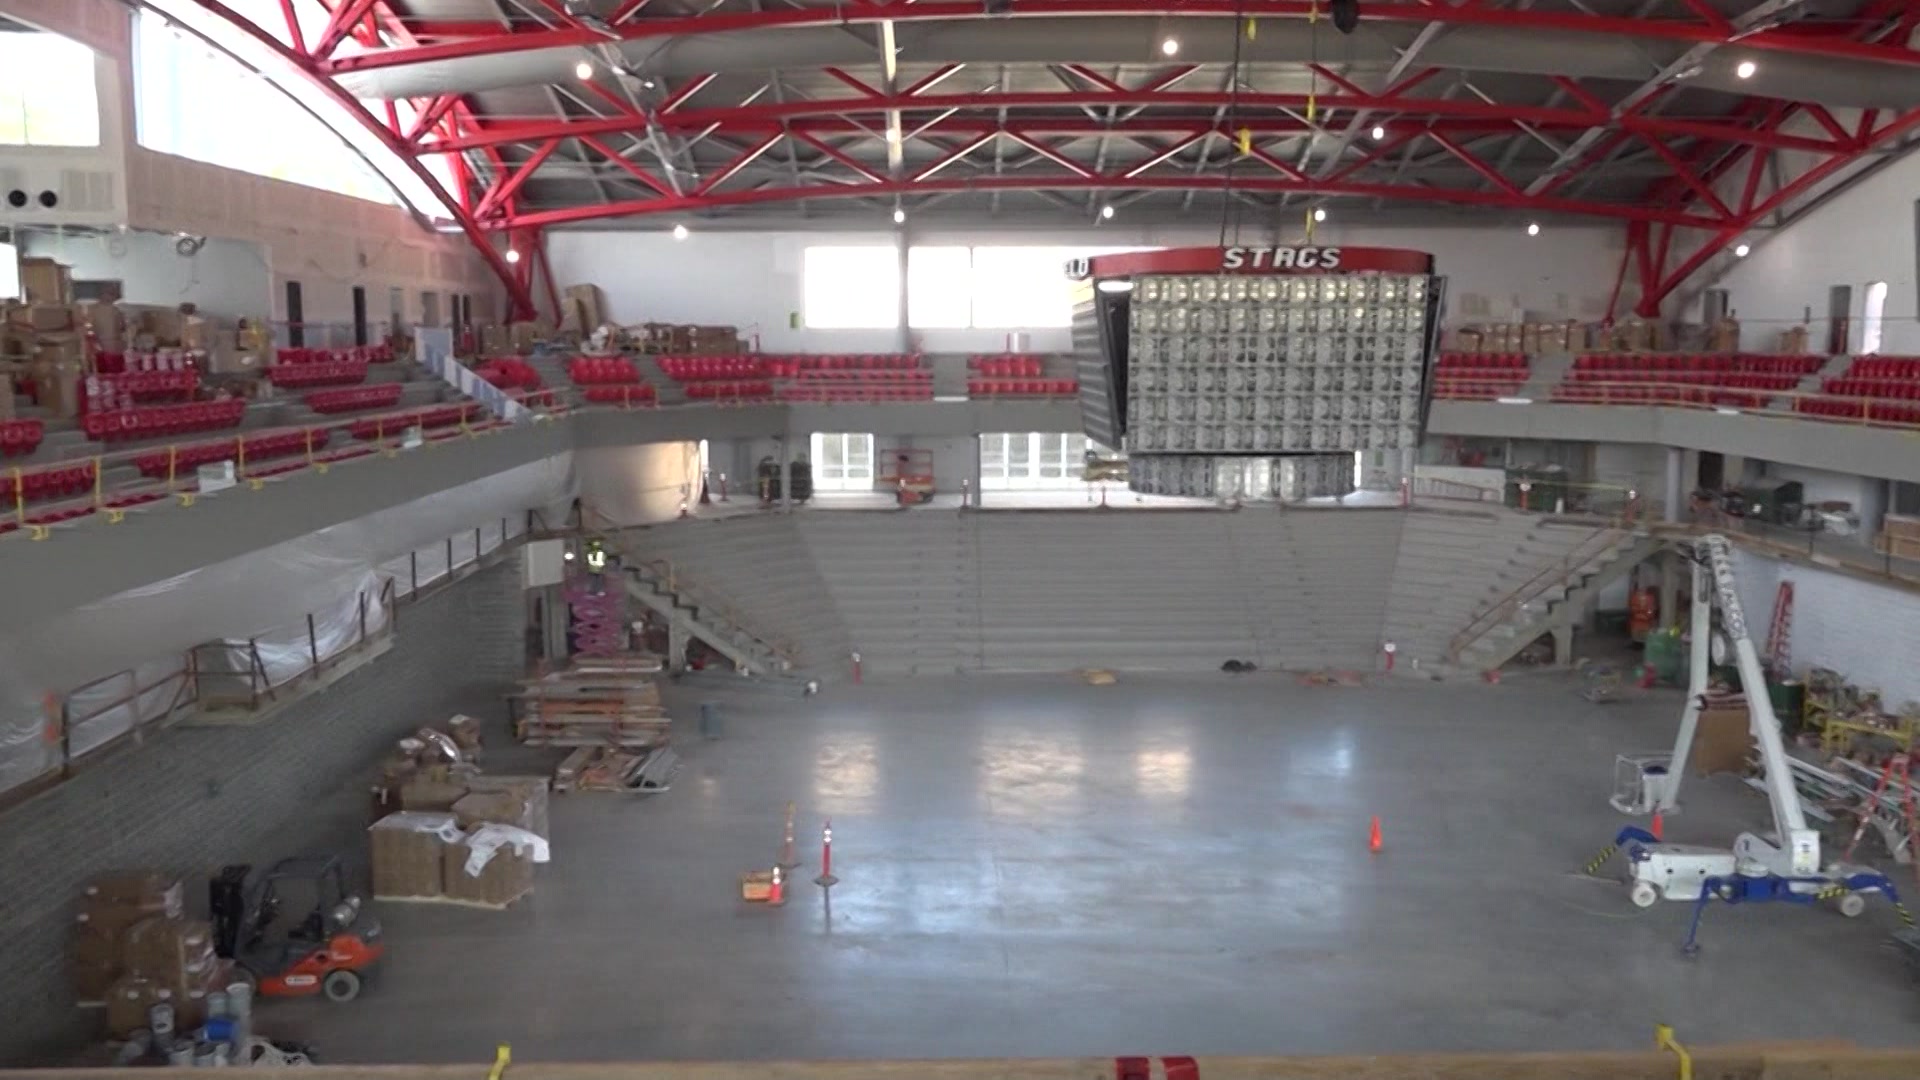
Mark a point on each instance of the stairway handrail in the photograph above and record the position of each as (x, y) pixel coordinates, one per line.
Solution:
(1556, 573)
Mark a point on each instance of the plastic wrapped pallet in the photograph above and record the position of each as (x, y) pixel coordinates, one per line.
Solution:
(110, 907)
(128, 1001)
(408, 849)
(506, 800)
(172, 952)
(492, 866)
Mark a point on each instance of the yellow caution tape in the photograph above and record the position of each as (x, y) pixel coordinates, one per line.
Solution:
(1253, 30)
(502, 1057)
(1245, 136)
(1600, 859)
(1901, 910)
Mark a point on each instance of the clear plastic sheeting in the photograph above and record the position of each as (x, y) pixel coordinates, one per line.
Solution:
(228, 670)
(265, 595)
(110, 707)
(430, 565)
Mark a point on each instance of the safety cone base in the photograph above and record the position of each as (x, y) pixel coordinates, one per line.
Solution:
(826, 881)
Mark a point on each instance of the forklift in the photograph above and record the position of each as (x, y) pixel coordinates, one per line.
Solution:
(330, 950)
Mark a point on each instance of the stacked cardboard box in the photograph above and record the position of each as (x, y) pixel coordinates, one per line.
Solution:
(44, 281)
(678, 339)
(582, 310)
(44, 347)
(110, 907)
(476, 845)
(1899, 536)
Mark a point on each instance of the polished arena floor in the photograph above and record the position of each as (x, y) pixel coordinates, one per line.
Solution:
(1030, 866)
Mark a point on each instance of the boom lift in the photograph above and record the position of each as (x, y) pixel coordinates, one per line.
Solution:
(1784, 865)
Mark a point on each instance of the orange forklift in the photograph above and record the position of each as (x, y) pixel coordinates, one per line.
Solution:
(330, 950)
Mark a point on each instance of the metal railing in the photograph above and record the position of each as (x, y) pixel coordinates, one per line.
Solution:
(211, 684)
(1793, 404)
(1557, 574)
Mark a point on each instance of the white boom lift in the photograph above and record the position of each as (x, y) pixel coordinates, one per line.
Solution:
(1782, 866)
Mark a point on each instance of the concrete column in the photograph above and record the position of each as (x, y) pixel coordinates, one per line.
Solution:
(972, 472)
(1677, 488)
(786, 472)
(677, 638)
(1670, 570)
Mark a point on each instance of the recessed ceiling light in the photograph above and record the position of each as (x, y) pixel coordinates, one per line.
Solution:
(679, 232)
(1170, 47)
(1114, 285)
(1379, 132)
(1319, 213)
(1106, 212)
(1533, 228)
(1742, 251)
(1746, 69)
(513, 256)
(646, 84)
(583, 70)
(899, 216)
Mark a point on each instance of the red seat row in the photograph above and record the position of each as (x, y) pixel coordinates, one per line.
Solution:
(153, 421)
(113, 363)
(1662, 394)
(107, 387)
(354, 399)
(632, 393)
(70, 513)
(534, 399)
(1886, 367)
(602, 371)
(792, 363)
(509, 373)
(712, 368)
(1736, 379)
(52, 483)
(178, 461)
(20, 436)
(875, 388)
(1849, 386)
(1006, 367)
(319, 373)
(1669, 362)
(364, 354)
(1472, 390)
(741, 390)
(436, 416)
(1867, 409)
(1022, 387)
(1482, 361)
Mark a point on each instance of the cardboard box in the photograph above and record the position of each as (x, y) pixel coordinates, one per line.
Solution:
(171, 952)
(506, 876)
(408, 851)
(430, 794)
(1722, 741)
(45, 281)
(1724, 336)
(108, 326)
(147, 890)
(128, 1002)
(520, 801)
(195, 332)
(1793, 342)
(585, 306)
(56, 377)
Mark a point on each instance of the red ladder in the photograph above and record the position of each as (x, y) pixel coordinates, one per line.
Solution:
(1780, 634)
(1899, 768)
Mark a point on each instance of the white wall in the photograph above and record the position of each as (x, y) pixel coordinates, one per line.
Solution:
(1864, 235)
(753, 280)
(638, 485)
(1857, 628)
(227, 278)
(1634, 466)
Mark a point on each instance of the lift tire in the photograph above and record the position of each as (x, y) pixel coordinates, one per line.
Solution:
(341, 985)
(1851, 905)
(1643, 894)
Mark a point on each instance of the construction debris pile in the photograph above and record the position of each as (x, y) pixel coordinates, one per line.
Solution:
(607, 710)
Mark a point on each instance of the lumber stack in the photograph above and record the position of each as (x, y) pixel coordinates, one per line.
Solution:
(602, 702)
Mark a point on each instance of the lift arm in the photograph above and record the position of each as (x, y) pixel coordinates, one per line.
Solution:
(1795, 849)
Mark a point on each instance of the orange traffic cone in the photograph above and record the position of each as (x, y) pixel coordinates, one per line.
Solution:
(776, 892)
(1373, 836)
(1658, 832)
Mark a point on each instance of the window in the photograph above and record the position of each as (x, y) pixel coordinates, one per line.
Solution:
(359, 315)
(1872, 321)
(940, 288)
(9, 272)
(180, 83)
(1017, 461)
(296, 316)
(850, 288)
(1021, 288)
(842, 462)
(47, 91)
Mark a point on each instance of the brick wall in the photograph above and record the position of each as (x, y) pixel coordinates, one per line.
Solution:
(194, 799)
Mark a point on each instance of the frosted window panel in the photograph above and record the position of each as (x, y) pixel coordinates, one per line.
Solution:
(9, 272)
(47, 92)
(940, 287)
(850, 288)
(1021, 288)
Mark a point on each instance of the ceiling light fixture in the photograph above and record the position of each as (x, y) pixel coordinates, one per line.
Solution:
(1106, 212)
(583, 70)
(679, 232)
(1114, 285)
(1742, 251)
(1533, 228)
(513, 256)
(899, 216)
(1746, 69)
(1379, 132)
(1170, 47)
(1319, 213)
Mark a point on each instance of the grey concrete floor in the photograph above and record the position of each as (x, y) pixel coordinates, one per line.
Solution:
(1032, 866)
